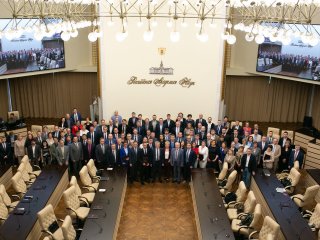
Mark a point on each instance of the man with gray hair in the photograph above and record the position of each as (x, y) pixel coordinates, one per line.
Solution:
(177, 162)
(157, 162)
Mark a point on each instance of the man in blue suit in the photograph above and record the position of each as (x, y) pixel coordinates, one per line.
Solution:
(75, 116)
(177, 162)
(296, 155)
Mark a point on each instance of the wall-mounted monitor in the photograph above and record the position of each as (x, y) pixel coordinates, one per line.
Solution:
(296, 59)
(26, 54)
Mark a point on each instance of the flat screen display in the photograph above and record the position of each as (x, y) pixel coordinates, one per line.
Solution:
(297, 59)
(26, 54)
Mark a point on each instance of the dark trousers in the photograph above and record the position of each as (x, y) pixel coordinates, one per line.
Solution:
(167, 170)
(75, 168)
(187, 172)
(156, 171)
(144, 174)
(132, 172)
(176, 173)
(246, 177)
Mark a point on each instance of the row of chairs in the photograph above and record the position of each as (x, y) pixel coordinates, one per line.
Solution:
(269, 229)
(77, 204)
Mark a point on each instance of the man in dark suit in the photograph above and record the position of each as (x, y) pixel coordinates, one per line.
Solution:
(140, 129)
(147, 125)
(159, 128)
(132, 121)
(145, 159)
(125, 156)
(101, 153)
(56, 132)
(175, 130)
(123, 127)
(296, 155)
(154, 122)
(34, 152)
(219, 128)
(76, 155)
(231, 138)
(136, 137)
(238, 127)
(39, 139)
(189, 160)
(201, 120)
(284, 138)
(110, 140)
(157, 162)
(210, 125)
(114, 156)
(76, 116)
(263, 145)
(168, 123)
(88, 150)
(177, 162)
(93, 135)
(110, 127)
(248, 167)
(5, 153)
(133, 162)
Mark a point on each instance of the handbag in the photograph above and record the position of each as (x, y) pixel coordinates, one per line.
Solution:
(230, 197)
(286, 182)
(247, 220)
(53, 227)
(240, 208)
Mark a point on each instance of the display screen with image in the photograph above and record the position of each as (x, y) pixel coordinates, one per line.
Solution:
(26, 54)
(298, 59)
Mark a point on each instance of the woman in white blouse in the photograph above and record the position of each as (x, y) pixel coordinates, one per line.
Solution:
(203, 155)
(83, 131)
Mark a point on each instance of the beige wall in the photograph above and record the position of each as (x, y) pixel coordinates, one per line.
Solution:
(201, 62)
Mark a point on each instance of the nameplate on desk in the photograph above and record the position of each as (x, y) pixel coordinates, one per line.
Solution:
(19, 211)
(26, 200)
(97, 207)
(39, 188)
(109, 169)
(104, 179)
(92, 216)
(102, 190)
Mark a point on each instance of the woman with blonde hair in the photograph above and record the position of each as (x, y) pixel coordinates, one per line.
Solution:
(19, 148)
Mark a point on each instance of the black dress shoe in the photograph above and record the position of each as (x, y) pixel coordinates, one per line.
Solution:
(142, 183)
(160, 181)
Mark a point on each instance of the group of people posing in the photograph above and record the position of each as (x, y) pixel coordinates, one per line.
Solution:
(157, 149)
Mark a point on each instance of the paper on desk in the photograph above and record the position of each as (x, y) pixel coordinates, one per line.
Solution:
(109, 169)
(102, 190)
(280, 190)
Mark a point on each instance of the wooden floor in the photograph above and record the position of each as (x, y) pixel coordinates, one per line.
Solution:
(158, 211)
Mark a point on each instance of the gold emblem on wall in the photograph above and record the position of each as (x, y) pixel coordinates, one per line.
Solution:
(161, 70)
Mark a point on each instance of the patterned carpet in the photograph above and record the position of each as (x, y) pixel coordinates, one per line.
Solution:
(158, 211)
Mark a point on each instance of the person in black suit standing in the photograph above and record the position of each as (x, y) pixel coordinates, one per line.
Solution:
(201, 120)
(238, 127)
(219, 128)
(157, 162)
(133, 162)
(296, 155)
(168, 123)
(248, 167)
(93, 135)
(34, 152)
(132, 122)
(159, 130)
(177, 129)
(114, 156)
(284, 138)
(190, 120)
(145, 159)
(147, 125)
(5, 153)
(101, 153)
(189, 160)
(88, 150)
(123, 127)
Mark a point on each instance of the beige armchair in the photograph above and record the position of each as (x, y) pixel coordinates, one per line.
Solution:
(306, 200)
(35, 129)
(25, 175)
(228, 187)
(72, 203)
(276, 131)
(88, 183)
(29, 168)
(294, 176)
(93, 170)
(314, 217)
(3, 212)
(254, 226)
(47, 217)
(223, 173)
(6, 199)
(88, 197)
(69, 233)
(15, 113)
(241, 193)
(19, 185)
(269, 231)
(248, 207)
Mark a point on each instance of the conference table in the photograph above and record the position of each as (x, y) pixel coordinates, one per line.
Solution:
(105, 213)
(280, 207)
(47, 189)
(5, 175)
(211, 216)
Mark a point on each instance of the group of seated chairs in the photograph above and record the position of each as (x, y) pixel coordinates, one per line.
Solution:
(77, 203)
(245, 213)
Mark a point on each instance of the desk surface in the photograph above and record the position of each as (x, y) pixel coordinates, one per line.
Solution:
(105, 226)
(315, 174)
(18, 227)
(284, 210)
(213, 219)
(4, 169)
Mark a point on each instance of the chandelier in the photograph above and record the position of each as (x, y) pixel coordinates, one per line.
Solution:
(279, 20)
